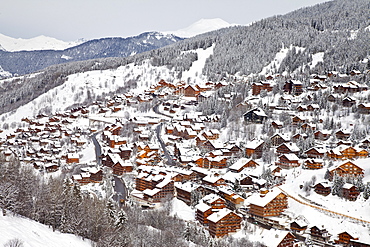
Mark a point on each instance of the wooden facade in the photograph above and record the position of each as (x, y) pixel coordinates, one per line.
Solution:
(350, 192)
(348, 169)
(223, 222)
(323, 188)
(320, 234)
(272, 204)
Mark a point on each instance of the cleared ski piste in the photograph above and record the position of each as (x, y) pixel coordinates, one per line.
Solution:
(34, 234)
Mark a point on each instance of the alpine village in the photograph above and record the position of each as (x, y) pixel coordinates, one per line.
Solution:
(273, 158)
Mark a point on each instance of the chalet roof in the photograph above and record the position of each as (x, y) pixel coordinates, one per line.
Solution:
(290, 157)
(76, 177)
(188, 186)
(217, 216)
(345, 163)
(325, 184)
(257, 200)
(291, 146)
(239, 163)
(284, 136)
(202, 207)
(216, 144)
(210, 198)
(152, 192)
(273, 237)
(254, 144)
(259, 112)
(165, 182)
(295, 82)
(73, 156)
(348, 186)
(212, 178)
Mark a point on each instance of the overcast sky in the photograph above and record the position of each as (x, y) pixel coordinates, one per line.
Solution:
(70, 20)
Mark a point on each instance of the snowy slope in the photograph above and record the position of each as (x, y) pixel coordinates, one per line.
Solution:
(201, 26)
(37, 43)
(34, 234)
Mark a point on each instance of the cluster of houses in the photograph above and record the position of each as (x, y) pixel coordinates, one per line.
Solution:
(48, 143)
(225, 182)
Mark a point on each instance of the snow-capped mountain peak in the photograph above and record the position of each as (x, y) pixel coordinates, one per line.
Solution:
(37, 43)
(201, 26)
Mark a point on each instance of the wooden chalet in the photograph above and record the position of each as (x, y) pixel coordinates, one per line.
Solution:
(313, 164)
(243, 163)
(298, 226)
(254, 148)
(213, 180)
(277, 124)
(278, 238)
(364, 108)
(271, 204)
(202, 211)
(350, 192)
(223, 222)
(319, 234)
(209, 204)
(358, 243)
(191, 91)
(344, 238)
(288, 161)
(350, 87)
(73, 158)
(343, 134)
(347, 152)
(323, 188)
(125, 152)
(185, 190)
(120, 168)
(96, 175)
(163, 190)
(348, 102)
(287, 148)
(322, 135)
(297, 120)
(293, 87)
(256, 115)
(278, 139)
(233, 200)
(347, 169)
(315, 152)
(257, 87)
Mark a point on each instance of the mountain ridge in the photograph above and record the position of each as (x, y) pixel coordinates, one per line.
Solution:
(24, 62)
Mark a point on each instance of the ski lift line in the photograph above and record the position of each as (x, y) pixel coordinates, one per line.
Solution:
(323, 209)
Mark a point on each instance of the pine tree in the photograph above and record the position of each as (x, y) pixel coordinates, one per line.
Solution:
(121, 219)
(338, 183)
(367, 191)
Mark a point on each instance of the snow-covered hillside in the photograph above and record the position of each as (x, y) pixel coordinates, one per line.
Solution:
(33, 44)
(201, 26)
(34, 234)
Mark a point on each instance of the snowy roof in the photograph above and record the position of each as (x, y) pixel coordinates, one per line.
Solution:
(217, 216)
(239, 163)
(290, 156)
(292, 146)
(254, 144)
(272, 238)
(347, 186)
(166, 181)
(188, 186)
(210, 198)
(211, 178)
(202, 207)
(259, 112)
(256, 199)
(152, 192)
